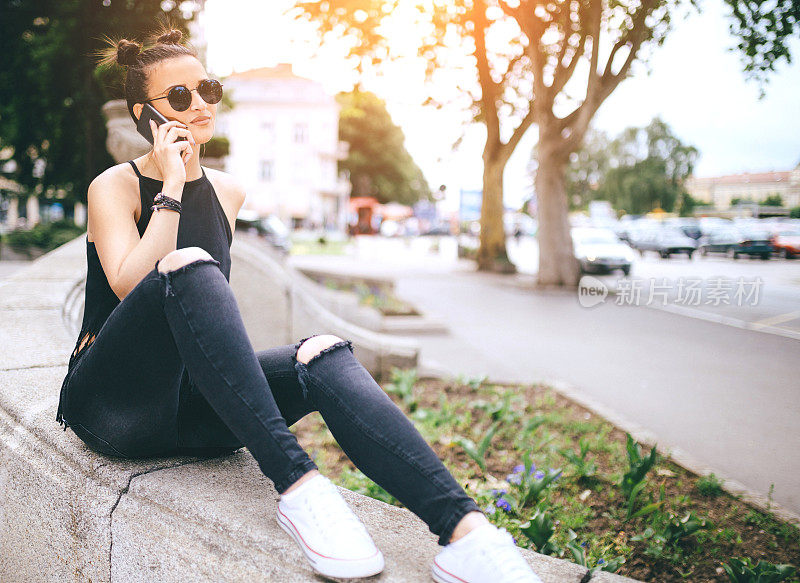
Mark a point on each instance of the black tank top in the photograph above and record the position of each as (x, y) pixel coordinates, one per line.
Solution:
(203, 223)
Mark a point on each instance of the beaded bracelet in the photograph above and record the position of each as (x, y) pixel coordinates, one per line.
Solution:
(161, 201)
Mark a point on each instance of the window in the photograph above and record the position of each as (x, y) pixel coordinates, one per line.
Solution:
(300, 171)
(267, 170)
(268, 131)
(301, 133)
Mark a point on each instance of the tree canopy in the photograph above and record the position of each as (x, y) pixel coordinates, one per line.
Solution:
(526, 62)
(638, 171)
(378, 162)
(51, 92)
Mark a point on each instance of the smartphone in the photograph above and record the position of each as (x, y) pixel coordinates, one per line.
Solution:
(143, 125)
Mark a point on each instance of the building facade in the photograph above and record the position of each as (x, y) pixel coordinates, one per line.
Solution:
(284, 147)
(719, 191)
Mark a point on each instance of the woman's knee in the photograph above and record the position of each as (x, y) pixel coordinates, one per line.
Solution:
(180, 257)
(315, 345)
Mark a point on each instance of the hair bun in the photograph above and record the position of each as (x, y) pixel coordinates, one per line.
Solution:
(173, 37)
(128, 52)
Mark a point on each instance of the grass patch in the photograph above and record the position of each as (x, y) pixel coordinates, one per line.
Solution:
(320, 246)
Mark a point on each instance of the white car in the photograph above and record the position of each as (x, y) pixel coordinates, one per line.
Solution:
(601, 251)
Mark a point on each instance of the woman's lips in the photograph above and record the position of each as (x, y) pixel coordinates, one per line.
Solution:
(202, 122)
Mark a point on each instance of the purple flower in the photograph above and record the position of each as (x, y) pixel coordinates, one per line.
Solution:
(584, 545)
(497, 493)
(601, 561)
(539, 475)
(514, 479)
(490, 510)
(518, 468)
(503, 504)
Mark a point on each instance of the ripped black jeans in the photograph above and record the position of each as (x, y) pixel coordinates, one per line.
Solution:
(172, 371)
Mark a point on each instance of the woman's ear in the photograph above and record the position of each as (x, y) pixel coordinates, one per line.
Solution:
(137, 110)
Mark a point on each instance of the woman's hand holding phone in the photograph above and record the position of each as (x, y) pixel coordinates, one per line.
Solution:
(170, 155)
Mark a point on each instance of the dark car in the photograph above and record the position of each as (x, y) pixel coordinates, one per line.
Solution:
(441, 229)
(755, 242)
(691, 231)
(269, 227)
(688, 226)
(722, 240)
(666, 241)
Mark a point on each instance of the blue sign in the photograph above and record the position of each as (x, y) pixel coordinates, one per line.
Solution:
(469, 208)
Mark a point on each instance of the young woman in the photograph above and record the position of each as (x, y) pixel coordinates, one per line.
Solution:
(163, 365)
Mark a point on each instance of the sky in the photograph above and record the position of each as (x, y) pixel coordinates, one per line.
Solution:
(694, 82)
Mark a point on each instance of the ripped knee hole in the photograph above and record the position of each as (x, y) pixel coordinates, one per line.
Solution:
(330, 343)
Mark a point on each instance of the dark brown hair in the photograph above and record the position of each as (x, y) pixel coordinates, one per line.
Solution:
(160, 45)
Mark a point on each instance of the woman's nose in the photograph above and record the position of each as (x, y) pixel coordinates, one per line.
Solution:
(201, 103)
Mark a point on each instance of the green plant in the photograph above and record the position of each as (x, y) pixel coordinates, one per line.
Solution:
(529, 484)
(216, 147)
(446, 414)
(633, 481)
(473, 383)
(402, 384)
(667, 530)
(580, 557)
(499, 409)
(533, 424)
(766, 522)
(709, 485)
(356, 481)
(44, 236)
(742, 570)
(539, 529)
(584, 468)
(478, 452)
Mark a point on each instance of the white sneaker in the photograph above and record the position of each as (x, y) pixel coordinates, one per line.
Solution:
(333, 539)
(486, 554)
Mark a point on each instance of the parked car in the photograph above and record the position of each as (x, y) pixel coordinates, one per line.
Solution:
(688, 226)
(722, 240)
(270, 227)
(600, 250)
(438, 229)
(628, 230)
(708, 224)
(389, 228)
(755, 242)
(666, 241)
(786, 242)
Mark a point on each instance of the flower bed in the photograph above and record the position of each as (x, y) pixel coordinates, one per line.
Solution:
(565, 482)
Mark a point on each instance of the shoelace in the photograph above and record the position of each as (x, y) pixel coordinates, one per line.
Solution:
(331, 512)
(504, 558)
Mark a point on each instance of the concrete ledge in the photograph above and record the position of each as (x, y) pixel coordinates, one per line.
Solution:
(347, 305)
(306, 315)
(67, 513)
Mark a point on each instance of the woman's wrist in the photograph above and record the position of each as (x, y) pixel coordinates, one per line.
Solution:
(161, 201)
(173, 190)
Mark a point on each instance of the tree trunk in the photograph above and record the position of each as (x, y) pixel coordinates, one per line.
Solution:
(557, 263)
(492, 254)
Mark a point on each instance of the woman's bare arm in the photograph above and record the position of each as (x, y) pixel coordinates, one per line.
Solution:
(126, 258)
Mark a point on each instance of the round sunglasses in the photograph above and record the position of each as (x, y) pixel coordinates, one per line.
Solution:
(180, 96)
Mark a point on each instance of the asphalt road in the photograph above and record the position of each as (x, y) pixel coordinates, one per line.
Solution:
(727, 395)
